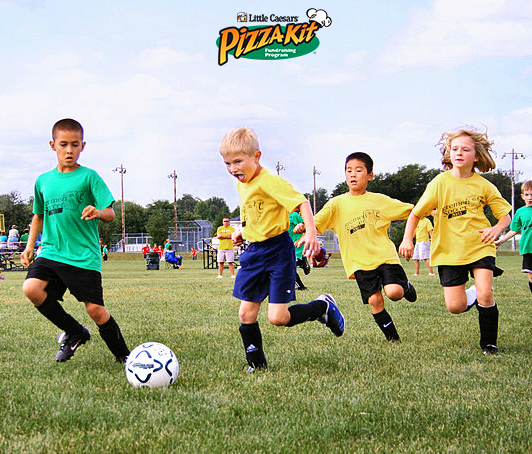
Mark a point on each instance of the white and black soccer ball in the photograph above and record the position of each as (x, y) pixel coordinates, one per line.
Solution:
(152, 365)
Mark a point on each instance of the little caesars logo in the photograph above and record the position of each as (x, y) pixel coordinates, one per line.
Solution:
(272, 42)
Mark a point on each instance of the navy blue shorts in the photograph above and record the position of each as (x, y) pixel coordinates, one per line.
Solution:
(84, 285)
(267, 268)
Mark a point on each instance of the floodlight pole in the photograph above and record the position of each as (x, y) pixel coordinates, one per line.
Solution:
(514, 155)
(122, 171)
(279, 167)
(314, 173)
(174, 176)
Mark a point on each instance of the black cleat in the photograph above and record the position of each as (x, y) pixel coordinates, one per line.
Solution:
(490, 350)
(410, 293)
(70, 343)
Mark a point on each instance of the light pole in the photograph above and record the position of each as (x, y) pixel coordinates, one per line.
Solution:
(121, 170)
(279, 167)
(514, 155)
(174, 176)
(314, 173)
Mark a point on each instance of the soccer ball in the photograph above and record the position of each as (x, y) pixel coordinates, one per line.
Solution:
(152, 365)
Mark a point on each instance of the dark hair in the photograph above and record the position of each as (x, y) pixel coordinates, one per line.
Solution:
(364, 157)
(67, 124)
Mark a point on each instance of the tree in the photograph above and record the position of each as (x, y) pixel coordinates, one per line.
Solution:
(321, 198)
(158, 225)
(211, 209)
(16, 210)
(341, 188)
(186, 206)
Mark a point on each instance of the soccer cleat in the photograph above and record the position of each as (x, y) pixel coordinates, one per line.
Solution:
(332, 318)
(410, 293)
(490, 350)
(70, 343)
(252, 369)
(305, 266)
(219, 276)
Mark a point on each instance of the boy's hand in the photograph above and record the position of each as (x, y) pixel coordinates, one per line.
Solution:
(406, 249)
(490, 235)
(299, 228)
(312, 244)
(89, 213)
(26, 257)
(237, 238)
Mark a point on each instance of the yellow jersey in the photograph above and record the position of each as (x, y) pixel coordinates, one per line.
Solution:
(225, 244)
(361, 224)
(265, 203)
(424, 227)
(460, 215)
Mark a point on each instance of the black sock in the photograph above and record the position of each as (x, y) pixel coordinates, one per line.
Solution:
(112, 336)
(530, 285)
(299, 282)
(300, 313)
(488, 321)
(386, 325)
(54, 312)
(252, 340)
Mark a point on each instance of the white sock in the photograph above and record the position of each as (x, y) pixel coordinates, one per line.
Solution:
(471, 295)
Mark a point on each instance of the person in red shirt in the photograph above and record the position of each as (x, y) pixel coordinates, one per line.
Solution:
(145, 249)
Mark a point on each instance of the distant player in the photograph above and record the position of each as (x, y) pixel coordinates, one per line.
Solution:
(268, 264)
(522, 221)
(69, 202)
(422, 248)
(226, 252)
(463, 239)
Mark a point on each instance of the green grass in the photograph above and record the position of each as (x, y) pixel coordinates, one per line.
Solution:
(434, 392)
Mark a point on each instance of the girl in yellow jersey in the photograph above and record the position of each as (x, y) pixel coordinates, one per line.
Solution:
(463, 239)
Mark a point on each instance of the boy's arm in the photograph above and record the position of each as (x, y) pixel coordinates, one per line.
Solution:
(310, 238)
(35, 230)
(506, 237)
(90, 212)
(490, 234)
(406, 248)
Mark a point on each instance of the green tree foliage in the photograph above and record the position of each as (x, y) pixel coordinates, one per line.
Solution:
(321, 198)
(341, 188)
(213, 209)
(16, 210)
(186, 206)
(159, 224)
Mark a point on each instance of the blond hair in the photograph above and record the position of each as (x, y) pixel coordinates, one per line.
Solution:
(527, 186)
(483, 149)
(239, 140)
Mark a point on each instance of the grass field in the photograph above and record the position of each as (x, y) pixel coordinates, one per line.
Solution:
(434, 392)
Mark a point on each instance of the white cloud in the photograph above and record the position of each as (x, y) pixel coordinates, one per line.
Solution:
(164, 57)
(455, 32)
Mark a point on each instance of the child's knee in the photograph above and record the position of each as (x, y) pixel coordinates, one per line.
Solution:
(98, 313)
(394, 292)
(279, 319)
(456, 306)
(33, 291)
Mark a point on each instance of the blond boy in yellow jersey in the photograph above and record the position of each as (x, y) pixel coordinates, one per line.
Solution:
(361, 220)
(463, 238)
(268, 263)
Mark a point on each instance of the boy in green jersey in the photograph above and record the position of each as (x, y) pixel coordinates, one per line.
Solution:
(69, 202)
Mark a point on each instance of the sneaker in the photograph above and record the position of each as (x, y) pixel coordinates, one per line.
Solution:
(415, 274)
(490, 350)
(332, 318)
(233, 277)
(410, 293)
(70, 343)
(219, 276)
(432, 274)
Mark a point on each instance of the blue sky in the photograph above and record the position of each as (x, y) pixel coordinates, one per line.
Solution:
(387, 78)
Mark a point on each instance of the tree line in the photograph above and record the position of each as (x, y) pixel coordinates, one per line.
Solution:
(157, 218)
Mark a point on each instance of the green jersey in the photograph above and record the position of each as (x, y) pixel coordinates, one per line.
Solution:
(295, 219)
(61, 198)
(523, 221)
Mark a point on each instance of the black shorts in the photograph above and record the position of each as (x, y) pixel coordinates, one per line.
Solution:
(527, 263)
(84, 285)
(453, 275)
(372, 281)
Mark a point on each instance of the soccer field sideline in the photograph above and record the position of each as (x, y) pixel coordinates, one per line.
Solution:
(434, 392)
